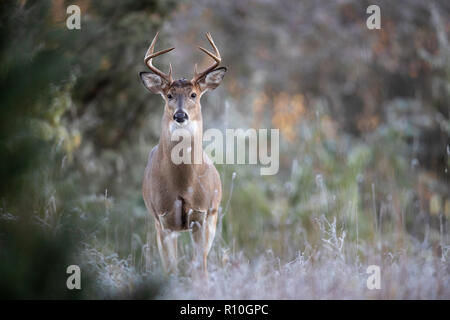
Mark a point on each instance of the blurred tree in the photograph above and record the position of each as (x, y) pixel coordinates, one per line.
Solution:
(51, 78)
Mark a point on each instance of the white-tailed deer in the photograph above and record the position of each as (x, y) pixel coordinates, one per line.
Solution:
(183, 196)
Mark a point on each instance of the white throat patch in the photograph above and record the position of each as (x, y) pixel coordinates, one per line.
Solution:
(191, 126)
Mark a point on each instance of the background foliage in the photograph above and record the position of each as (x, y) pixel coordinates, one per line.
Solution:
(364, 151)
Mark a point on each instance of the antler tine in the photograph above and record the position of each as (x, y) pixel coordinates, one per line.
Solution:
(149, 55)
(216, 57)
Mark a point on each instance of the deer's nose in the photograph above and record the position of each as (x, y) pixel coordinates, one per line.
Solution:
(180, 116)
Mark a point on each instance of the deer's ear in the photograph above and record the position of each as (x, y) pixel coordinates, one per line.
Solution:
(212, 79)
(153, 82)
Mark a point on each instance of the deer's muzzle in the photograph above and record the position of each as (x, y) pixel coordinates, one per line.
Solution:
(180, 116)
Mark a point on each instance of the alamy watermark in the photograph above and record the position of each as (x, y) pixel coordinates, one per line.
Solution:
(374, 20)
(74, 280)
(374, 279)
(73, 21)
(231, 148)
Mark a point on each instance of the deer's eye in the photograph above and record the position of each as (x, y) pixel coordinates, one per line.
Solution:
(169, 96)
(193, 95)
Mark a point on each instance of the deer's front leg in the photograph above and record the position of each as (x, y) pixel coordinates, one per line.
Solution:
(203, 228)
(167, 246)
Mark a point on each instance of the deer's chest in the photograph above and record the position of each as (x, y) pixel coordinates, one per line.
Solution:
(193, 195)
(177, 210)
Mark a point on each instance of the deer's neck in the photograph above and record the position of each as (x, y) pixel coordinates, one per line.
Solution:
(182, 172)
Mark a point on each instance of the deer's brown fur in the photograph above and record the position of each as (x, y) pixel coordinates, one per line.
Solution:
(182, 196)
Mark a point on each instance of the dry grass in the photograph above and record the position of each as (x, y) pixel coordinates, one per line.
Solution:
(330, 270)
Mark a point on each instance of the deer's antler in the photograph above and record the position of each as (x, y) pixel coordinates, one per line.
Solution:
(215, 56)
(150, 55)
